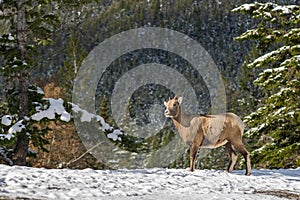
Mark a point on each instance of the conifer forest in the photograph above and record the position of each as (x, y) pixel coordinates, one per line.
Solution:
(45, 45)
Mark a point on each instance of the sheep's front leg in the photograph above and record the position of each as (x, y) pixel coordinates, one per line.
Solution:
(193, 153)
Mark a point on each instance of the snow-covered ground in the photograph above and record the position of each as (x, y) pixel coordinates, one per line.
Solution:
(156, 183)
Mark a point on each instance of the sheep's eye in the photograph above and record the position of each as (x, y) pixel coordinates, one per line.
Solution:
(175, 104)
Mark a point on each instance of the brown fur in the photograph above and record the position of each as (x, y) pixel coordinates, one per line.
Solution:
(209, 131)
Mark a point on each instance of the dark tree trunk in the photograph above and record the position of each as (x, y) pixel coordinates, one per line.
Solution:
(22, 142)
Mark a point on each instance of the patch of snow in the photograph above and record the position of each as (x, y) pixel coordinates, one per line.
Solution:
(291, 32)
(6, 136)
(269, 37)
(291, 60)
(291, 114)
(282, 90)
(38, 89)
(260, 149)
(65, 116)
(115, 135)
(245, 7)
(56, 107)
(268, 14)
(38, 107)
(16, 128)
(256, 129)
(252, 32)
(144, 184)
(272, 55)
(279, 111)
(277, 32)
(285, 9)
(6, 120)
(87, 117)
(274, 69)
(10, 37)
(263, 125)
(104, 125)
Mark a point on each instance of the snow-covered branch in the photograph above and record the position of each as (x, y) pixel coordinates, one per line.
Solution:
(56, 110)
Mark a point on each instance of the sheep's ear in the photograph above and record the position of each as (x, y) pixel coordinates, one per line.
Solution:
(165, 103)
(180, 100)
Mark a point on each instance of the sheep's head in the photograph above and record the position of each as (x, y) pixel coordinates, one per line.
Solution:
(173, 107)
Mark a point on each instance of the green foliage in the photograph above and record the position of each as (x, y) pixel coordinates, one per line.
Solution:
(40, 24)
(105, 111)
(275, 125)
(30, 25)
(74, 56)
(9, 108)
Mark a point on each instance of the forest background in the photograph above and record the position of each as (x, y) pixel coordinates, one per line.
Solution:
(77, 28)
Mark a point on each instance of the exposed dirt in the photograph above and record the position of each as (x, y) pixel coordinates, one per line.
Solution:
(281, 193)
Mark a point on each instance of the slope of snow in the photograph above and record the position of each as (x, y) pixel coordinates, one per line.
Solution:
(155, 183)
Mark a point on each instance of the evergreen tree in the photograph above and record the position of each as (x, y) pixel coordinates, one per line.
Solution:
(105, 110)
(75, 55)
(275, 125)
(31, 26)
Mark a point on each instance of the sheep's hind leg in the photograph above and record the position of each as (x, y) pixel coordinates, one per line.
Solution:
(241, 148)
(233, 157)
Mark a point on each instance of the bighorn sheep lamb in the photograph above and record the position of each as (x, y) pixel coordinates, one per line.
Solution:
(209, 131)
